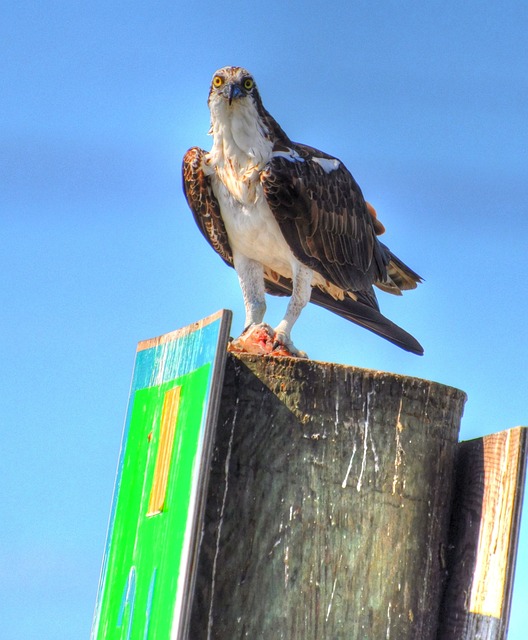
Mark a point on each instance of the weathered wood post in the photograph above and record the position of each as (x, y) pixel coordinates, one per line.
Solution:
(329, 504)
(277, 498)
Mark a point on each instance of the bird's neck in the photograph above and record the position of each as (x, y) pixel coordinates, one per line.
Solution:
(244, 135)
(242, 141)
(242, 146)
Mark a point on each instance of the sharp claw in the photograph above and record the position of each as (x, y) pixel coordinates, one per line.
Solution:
(261, 339)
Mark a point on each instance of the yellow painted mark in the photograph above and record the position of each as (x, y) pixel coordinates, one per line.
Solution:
(169, 415)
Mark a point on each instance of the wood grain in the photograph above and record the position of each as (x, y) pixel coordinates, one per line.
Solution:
(328, 507)
(484, 535)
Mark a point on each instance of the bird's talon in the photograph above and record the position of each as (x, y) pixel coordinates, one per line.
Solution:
(261, 339)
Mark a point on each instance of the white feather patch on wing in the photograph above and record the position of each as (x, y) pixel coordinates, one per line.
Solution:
(291, 155)
(327, 164)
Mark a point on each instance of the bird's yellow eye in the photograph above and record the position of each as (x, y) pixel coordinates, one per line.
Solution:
(248, 84)
(218, 81)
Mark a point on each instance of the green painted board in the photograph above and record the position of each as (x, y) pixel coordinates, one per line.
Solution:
(146, 584)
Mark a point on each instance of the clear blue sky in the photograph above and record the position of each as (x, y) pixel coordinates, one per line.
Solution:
(425, 102)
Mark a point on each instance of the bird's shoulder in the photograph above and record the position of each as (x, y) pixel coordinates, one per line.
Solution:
(203, 202)
(303, 180)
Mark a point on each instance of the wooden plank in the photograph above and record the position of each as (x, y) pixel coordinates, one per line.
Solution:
(484, 535)
(148, 573)
(328, 504)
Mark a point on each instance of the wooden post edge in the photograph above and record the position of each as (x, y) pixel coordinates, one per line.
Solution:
(484, 536)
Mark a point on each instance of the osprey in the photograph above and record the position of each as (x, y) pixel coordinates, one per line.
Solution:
(290, 219)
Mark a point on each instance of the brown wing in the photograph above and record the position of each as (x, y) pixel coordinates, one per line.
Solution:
(324, 217)
(203, 203)
(361, 308)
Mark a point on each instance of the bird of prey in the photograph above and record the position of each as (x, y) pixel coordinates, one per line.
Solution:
(290, 219)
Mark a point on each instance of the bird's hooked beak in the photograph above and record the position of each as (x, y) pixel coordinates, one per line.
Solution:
(233, 91)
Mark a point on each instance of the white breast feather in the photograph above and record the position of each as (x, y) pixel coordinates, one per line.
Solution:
(240, 151)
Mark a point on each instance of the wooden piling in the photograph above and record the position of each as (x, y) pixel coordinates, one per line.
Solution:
(329, 504)
(483, 539)
(340, 504)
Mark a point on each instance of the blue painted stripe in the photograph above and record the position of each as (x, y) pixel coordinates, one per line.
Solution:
(176, 358)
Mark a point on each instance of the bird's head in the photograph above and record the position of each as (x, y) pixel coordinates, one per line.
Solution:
(232, 86)
(236, 107)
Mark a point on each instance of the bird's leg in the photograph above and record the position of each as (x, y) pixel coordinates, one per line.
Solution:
(257, 337)
(251, 277)
(302, 290)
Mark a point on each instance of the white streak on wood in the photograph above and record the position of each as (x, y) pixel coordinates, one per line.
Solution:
(365, 442)
(221, 521)
(398, 459)
(344, 483)
(331, 599)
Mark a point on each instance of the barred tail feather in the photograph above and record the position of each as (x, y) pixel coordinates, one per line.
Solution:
(400, 277)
